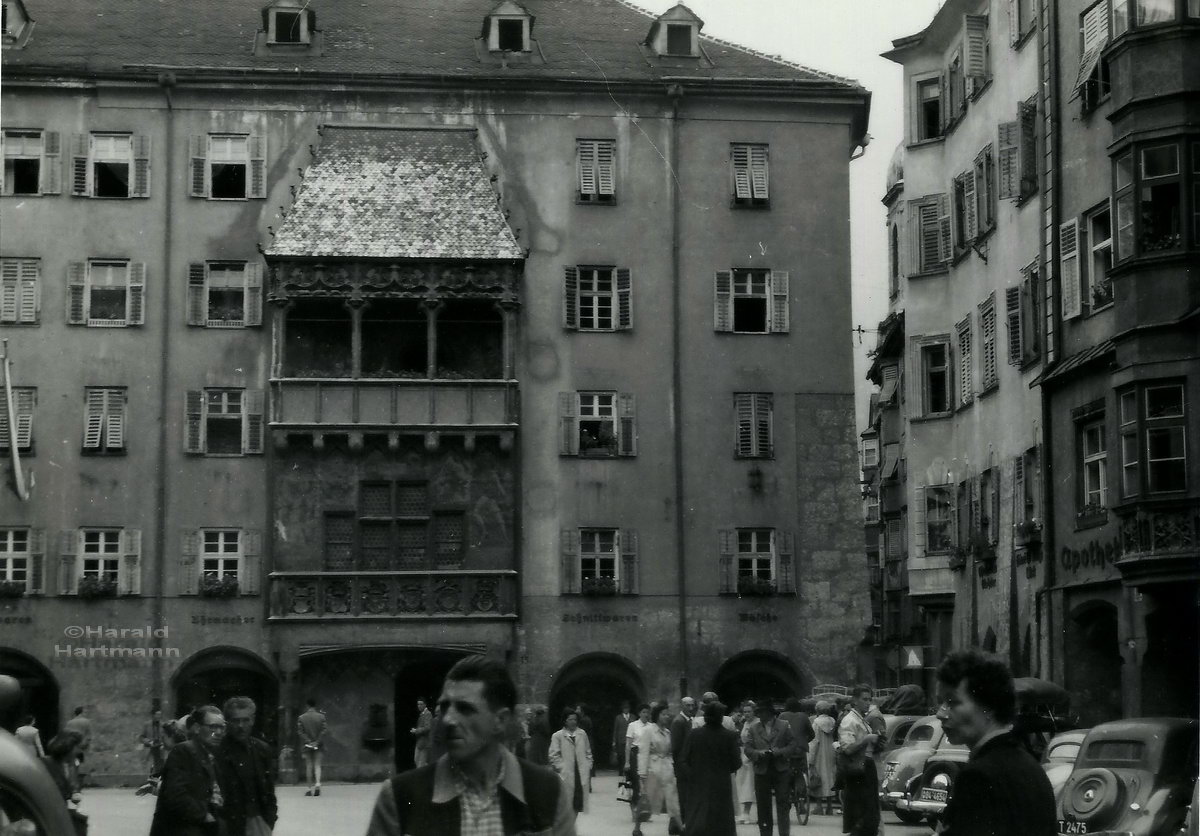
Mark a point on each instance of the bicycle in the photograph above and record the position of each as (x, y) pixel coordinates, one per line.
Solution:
(800, 790)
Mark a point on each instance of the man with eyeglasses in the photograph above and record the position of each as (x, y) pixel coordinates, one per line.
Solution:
(191, 799)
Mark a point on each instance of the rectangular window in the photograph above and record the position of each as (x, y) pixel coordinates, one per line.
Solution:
(750, 174)
(1166, 438)
(1152, 12)
(599, 556)
(1028, 158)
(966, 362)
(597, 299)
(510, 35)
(1161, 191)
(224, 422)
(289, 27)
(15, 557)
(752, 301)
(756, 553)
(1028, 318)
(1123, 197)
(870, 452)
(1024, 19)
(227, 166)
(111, 164)
(965, 221)
(104, 420)
(595, 161)
(224, 294)
(106, 294)
(220, 553)
(32, 162)
(24, 401)
(679, 39)
(1091, 81)
(1120, 17)
(930, 233)
(1099, 291)
(935, 377)
(1130, 457)
(597, 424)
(977, 41)
(929, 99)
(100, 554)
(20, 291)
(987, 332)
(1093, 466)
(939, 519)
(753, 411)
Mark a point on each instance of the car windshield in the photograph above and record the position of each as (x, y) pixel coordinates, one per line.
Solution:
(1115, 750)
(1063, 753)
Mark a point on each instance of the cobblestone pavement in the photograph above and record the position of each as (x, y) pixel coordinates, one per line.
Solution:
(345, 809)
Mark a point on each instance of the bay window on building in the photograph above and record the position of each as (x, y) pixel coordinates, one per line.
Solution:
(1141, 14)
(1154, 450)
(1154, 191)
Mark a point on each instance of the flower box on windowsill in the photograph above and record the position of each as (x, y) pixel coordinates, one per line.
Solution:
(12, 589)
(92, 587)
(223, 587)
(755, 587)
(958, 559)
(598, 587)
(1028, 533)
(1091, 515)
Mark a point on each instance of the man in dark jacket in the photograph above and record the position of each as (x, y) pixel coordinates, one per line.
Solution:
(478, 786)
(250, 806)
(191, 799)
(681, 725)
(1001, 790)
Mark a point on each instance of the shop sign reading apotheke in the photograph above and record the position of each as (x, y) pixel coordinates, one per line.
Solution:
(1090, 561)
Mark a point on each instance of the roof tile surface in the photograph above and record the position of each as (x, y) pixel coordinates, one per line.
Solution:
(396, 193)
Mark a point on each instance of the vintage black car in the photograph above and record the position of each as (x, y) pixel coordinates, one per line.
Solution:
(1132, 778)
(907, 762)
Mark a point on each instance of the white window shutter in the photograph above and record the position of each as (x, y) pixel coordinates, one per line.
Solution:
(569, 547)
(781, 302)
(10, 279)
(785, 557)
(568, 434)
(93, 428)
(945, 231)
(1014, 22)
(258, 166)
(726, 544)
(68, 554)
(197, 294)
(131, 549)
(51, 172)
(198, 166)
(254, 426)
(29, 291)
(975, 37)
(252, 309)
(1068, 259)
(1009, 149)
(723, 301)
(189, 553)
(629, 561)
(193, 421)
(81, 145)
(741, 172)
(605, 180)
(140, 145)
(627, 419)
(114, 417)
(624, 298)
(136, 314)
(764, 414)
(248, 577)
(970, 208)
(743, 436)
(36, 585)
(586, 153)
(759, 175)
(77, 301)
(1012, 314)
(570, 297)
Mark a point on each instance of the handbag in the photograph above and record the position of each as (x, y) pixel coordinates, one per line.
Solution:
(624, 793)
(851, 766)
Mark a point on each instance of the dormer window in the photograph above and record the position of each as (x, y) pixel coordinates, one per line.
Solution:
(676, 33)
(508, 28)
(289, 23)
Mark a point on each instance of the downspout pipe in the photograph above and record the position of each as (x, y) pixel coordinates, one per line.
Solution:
(675, 92)
(167, 81)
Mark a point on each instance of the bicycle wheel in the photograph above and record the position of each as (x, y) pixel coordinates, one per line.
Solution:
(801, 799)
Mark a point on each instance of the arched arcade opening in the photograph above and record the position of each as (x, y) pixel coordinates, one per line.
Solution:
(39, 691)
(601, 681)
(217, 673)
(757, 674)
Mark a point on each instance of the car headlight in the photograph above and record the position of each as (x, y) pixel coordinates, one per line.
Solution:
(941, 781)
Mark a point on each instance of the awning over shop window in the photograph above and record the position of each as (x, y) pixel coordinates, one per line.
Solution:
(377, 192)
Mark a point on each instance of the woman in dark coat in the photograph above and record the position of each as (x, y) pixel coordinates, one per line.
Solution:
(61, 760)
(537, 749)
(711, 754)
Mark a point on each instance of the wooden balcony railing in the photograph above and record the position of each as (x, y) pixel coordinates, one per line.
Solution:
(373, 403)
(466, 594)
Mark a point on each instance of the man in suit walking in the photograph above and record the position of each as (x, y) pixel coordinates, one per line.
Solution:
(1001, 789)
(770, 745)
(422, 732)
(191, 799)
(681, 725)
(620, 726)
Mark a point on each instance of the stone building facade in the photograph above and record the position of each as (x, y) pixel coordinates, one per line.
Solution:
(337, 360)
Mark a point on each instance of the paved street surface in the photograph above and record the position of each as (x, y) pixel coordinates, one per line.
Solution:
(345, 808)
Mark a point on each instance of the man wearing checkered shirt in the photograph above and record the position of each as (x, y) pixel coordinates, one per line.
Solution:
(478, 788)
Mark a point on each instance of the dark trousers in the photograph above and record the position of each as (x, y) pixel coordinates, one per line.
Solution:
(860, 802)
(778, 782)
(635, 786)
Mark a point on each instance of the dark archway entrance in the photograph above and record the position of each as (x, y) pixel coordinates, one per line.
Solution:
(218, 673)
(1170, 678)
(419, 675)
(39, 691)
(601, 682)
(757, 674)
(1093, 663)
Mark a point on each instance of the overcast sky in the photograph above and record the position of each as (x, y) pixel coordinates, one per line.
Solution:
(843, 37)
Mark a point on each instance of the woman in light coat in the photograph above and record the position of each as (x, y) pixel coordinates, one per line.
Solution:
(571, 757)
(743, 779)
(656, 768)
(821, 761)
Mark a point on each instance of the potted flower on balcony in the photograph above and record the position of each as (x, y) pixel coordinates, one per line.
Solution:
(599, 586)
(214, 586)
(1093, 513)
(1028, 533)
(983, 548)
(958, 557)
(751, 586)
(12, 589)
(92, 587)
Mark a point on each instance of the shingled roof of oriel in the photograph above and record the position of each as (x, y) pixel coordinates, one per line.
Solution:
(396, 193)
(580, 39)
